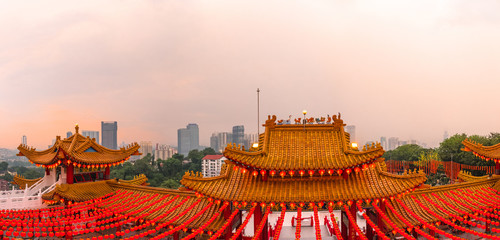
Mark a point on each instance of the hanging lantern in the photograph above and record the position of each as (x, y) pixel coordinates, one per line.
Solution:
(272, 173)
(291, 172)
(348, 171)
(282, 174)
(357, 170)
(263, 172)
(302, 172)
(339, 172)
(255, 173)
(311, 173)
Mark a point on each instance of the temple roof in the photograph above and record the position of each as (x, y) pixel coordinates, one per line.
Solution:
(467, 177)
(80, 150)
(22, 182)
(486, 152)
(303, 147)
(477, 186)
(367, 184)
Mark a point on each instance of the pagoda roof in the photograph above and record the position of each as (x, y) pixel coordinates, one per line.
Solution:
(367, 184)
(467, 177)
(303, 147)
(23, 182)
(440, 191)
(78, 149)
(487, 152)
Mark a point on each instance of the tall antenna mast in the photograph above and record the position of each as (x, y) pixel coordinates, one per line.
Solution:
(258, 112)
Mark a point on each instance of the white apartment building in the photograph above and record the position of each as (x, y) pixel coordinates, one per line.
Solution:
(164, 152)
(211, 165)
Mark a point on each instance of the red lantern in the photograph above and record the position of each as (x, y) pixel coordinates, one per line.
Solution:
(339, 172)
(311, 172)
(263, 172)
(291, 172)
(272, 173)
(255, 173)
(302, 172)
(348, 171)
(282, 174)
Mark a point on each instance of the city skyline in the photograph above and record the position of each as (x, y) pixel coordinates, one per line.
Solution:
(402, 69)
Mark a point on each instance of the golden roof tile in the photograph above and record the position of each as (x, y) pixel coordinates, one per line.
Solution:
(303, 147)
(79, 149)
(487, 152)
(22, 182)
(371, 183)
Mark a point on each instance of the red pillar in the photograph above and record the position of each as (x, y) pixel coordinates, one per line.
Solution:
(47, 171)
(497, 168)
(380, 223)
(257, 217)
(352, 229)
(344, 222)
(69, 174)
(106, 173)
(432, 233)
(176, 235)
(229, 229)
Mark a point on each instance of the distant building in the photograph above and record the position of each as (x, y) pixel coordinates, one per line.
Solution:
(109, 131)
(68, 134)
(146, 148)
(4, 185)
(188, 139)
(25, 140)
(445, 135)
(211, 165)
(164, 152)
(238, 135)
(383, 142)
(250, 139)
(219, 141)
(91, 134)
(393, 143)
(351, 129)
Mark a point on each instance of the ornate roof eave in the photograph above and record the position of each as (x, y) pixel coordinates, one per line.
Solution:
(485, 152)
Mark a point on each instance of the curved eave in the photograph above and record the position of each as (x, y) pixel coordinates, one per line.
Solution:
(439, 190)
(23, 182)
(45, 157)
(486, 152)
(369, 184)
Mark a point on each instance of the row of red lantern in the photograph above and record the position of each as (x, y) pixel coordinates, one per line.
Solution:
(372, 224)
(316, 223)
(244, 224)
(262, 224)
(334, 223)
(228, 223)
(490, 205)
(496, 160)
(446, 221)
(279, 224)
(475, 202)
(299, 223)
(467, 206)
(399, 216)
(303, 173)
(430, 226)
(185, 223)
(353, 222)
(207, 223)
(489, 201)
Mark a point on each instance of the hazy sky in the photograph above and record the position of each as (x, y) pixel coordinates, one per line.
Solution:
(410, 69)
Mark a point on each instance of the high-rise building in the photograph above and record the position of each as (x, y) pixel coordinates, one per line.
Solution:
(383, 142)
(211, 165)
(68, 134)
(188, 139)
(393, 143)
(109, 131)
(351, 129)
(250, 139)
(146, 148)
(239, 135)
(91, 134)
(25, 140)
(445, 135)
(164, 152)
(219, 141)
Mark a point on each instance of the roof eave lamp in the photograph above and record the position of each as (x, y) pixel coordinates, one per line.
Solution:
(255, 146)
(354, 146)
(304, 121)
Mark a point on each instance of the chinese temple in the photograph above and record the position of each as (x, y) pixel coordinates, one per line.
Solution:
(311, 166)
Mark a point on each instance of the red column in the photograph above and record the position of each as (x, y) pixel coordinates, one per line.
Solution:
(229, 230)
(69, 174)
(106, 173)
(497, 168)
(380, 223)
(352, 229)
(344, 222)
(47, 171)
(257, 217)
(176, 235)
(432, 233)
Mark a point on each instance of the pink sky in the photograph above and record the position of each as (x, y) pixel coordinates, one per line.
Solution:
(409, 69)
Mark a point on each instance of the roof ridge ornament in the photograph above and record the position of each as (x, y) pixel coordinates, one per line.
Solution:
(76, 128)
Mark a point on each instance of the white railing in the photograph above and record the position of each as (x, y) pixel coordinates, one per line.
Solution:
(51, 187)
(21, 202)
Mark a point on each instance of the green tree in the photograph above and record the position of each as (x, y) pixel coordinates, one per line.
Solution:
(451, 149)
(4, 166)
(408, 152)
(195, 156)
(208, 151)
(170, 183)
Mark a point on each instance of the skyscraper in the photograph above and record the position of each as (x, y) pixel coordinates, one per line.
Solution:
(445, 135)
(25, 140)
(91, 134)
(393, 143)
(239, 135)
(68, 134)
(146, 148)
(351, 129)
(188, 138)
(383, 142)
(219, 141)
(109, 131)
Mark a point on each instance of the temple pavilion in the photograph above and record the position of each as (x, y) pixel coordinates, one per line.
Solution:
(305, 167)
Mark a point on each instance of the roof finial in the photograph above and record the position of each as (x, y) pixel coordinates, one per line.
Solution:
(76, 128)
